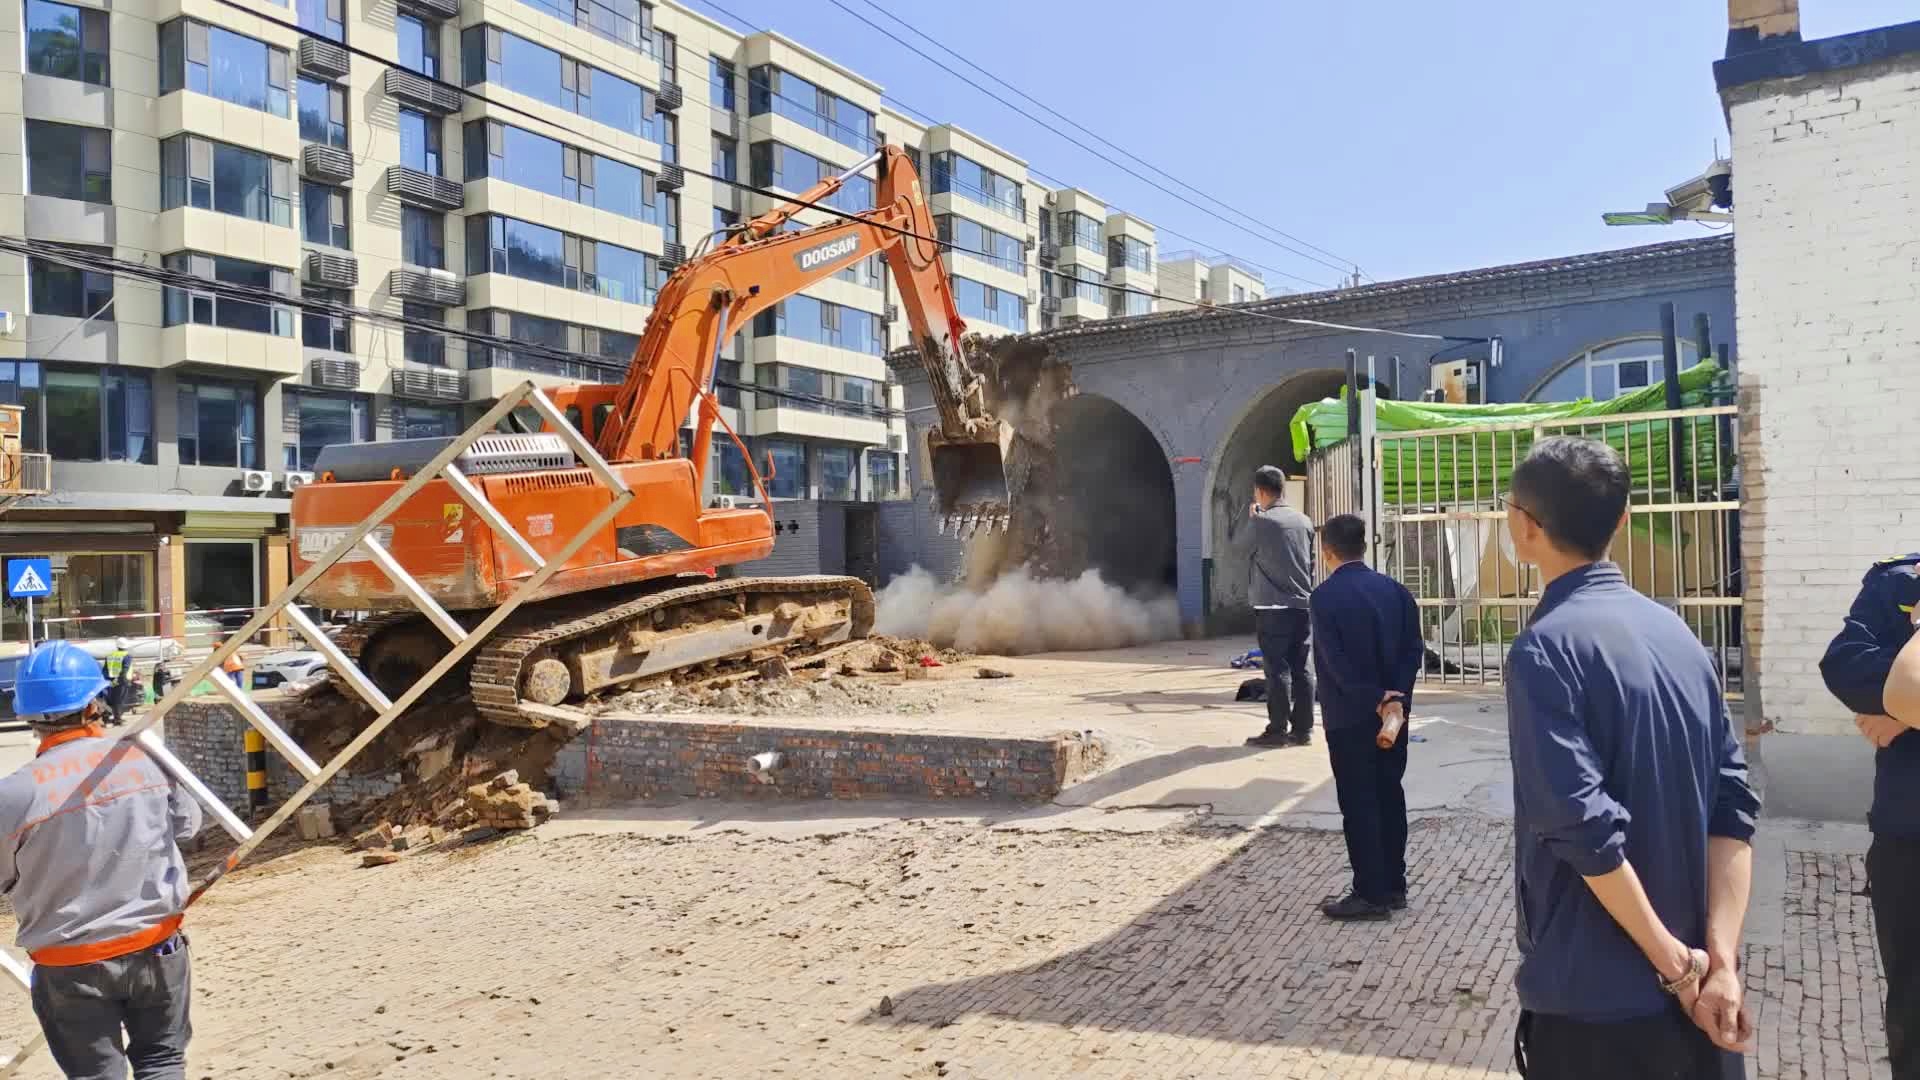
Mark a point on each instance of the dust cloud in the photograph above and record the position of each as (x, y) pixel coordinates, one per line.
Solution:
(1019, 613)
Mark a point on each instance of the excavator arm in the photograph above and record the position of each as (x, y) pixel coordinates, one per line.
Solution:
(716, 293)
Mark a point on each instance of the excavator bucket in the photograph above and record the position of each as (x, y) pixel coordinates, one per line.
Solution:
(970, 479)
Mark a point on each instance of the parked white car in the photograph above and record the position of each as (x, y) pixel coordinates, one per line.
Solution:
(291, 666)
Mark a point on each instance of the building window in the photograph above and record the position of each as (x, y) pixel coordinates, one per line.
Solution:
(782, 93)
(321, 330)
(726, 383)
(836, 471)
(426, 421)
(67, 42)
(316, 421)
(1239, 294)
(323, 214)
(804, 318)
(669, 128)
(777, 165)
(1129, 252)
(219, 424)
(1610, 371)
(628, 22)
(726, 158)
(1082, 283)
(720, 85)
(789, 460)
(976, 240)
(504, 245)
(20, 385)
(790, 386)
(862, 272)
(226, 179)
(423, 238)
(420, 142)
(425, 346)
(520, 157)
(323, 113)
(57, 289)
(232, 67)
(729, 469)
(68, 162)
(1128, 302)
(883, 474)
(99, 414)
(1083, 230)
(419, 44)
(965, 177)
(489, 54)
(322, 18)
(548, 337)
(180, 305)
(988, 304)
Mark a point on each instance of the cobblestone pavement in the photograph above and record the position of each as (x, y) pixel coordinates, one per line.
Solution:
(917, 950)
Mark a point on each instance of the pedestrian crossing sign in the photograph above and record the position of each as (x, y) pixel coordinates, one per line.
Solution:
(29, 577)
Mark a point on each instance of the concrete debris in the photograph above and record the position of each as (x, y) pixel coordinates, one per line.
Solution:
(314, 822)
(379, 858)
(992, 673)
(505, 803)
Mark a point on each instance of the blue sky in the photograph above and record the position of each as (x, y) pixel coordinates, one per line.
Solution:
(1411, 137)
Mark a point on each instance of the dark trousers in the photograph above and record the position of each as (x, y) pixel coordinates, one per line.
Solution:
(1664, 1047)
(1282, 633)
(1373, 807)
(84, 1009)
(1893, 872)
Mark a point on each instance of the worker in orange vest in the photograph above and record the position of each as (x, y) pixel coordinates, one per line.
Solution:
(92, 867)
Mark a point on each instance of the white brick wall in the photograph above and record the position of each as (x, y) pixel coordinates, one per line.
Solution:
(1827, 299)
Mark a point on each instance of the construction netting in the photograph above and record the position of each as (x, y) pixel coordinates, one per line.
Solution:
(1433, 453)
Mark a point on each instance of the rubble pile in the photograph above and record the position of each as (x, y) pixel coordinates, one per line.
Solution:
(841, 682)
(505, 803)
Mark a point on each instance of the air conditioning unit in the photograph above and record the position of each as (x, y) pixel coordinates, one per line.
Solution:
(896, 443)
(256, 481)
(725, 502)
(294, 481)
(1051, 198)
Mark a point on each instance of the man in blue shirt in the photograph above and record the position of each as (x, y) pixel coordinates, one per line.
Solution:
(1859, 669)
(1633, 815)
(1367, 650)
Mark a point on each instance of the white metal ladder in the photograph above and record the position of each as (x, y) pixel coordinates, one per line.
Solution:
(463, 641)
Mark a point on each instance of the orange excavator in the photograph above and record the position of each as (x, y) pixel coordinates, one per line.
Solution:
(642, 599)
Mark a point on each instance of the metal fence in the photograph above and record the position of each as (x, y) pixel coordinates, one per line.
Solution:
(1439, 527)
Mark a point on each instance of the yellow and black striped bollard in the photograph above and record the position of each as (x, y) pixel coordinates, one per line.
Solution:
(256, 771)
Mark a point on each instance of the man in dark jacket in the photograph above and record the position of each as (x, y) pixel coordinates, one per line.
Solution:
(1856, 668)
(1367, 648)
(1632, 811)
(1282, 581)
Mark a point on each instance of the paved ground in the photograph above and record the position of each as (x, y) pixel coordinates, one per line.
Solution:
(1118, 932)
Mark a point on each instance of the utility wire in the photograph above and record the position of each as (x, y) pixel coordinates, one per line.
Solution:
(794, 200)
(1342, 266)
(1064, 184)
(253, 294)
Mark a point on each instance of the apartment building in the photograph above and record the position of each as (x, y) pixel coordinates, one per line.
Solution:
(251, 142)
(1192, 278)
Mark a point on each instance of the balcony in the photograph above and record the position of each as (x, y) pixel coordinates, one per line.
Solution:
(334, 271)
(672, 177)
(434, 9)
(327, 164)
(1049, 251)
(424, 383)
(672, 255)
(410, 88)
(324, 59)
(436, 287)
(425, 189)
(1050, 304)
(669, 97)
(334, 373)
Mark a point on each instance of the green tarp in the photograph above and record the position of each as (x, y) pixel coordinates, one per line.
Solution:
(1475, 464)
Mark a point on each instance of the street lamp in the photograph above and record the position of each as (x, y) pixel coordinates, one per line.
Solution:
(1703, 198)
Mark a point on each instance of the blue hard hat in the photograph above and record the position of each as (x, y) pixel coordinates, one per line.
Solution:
(56, 678)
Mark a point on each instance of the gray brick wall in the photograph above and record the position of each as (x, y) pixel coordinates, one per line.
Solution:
(208, 735)
(811, 538)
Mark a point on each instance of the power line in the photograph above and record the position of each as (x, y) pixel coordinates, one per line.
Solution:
(794, 200)
(1096, 135)
(1055, 180)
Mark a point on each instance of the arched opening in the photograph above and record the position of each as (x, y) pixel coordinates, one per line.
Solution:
(1113, 476)
(1260, 438)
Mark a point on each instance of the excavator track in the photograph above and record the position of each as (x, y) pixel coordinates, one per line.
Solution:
(601, 642)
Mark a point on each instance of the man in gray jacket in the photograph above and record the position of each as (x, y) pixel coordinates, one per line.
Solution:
(1282, 582)
(90, 859)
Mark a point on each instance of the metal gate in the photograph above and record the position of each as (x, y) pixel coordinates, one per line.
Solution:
(1439, 527)
(461, 641)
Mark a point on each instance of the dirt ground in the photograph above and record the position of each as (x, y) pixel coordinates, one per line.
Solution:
(1156, 920)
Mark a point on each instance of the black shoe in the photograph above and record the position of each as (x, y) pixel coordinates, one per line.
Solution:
(1264, 739)
(1299, 740)
(1397, 901)
(1353, 908)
